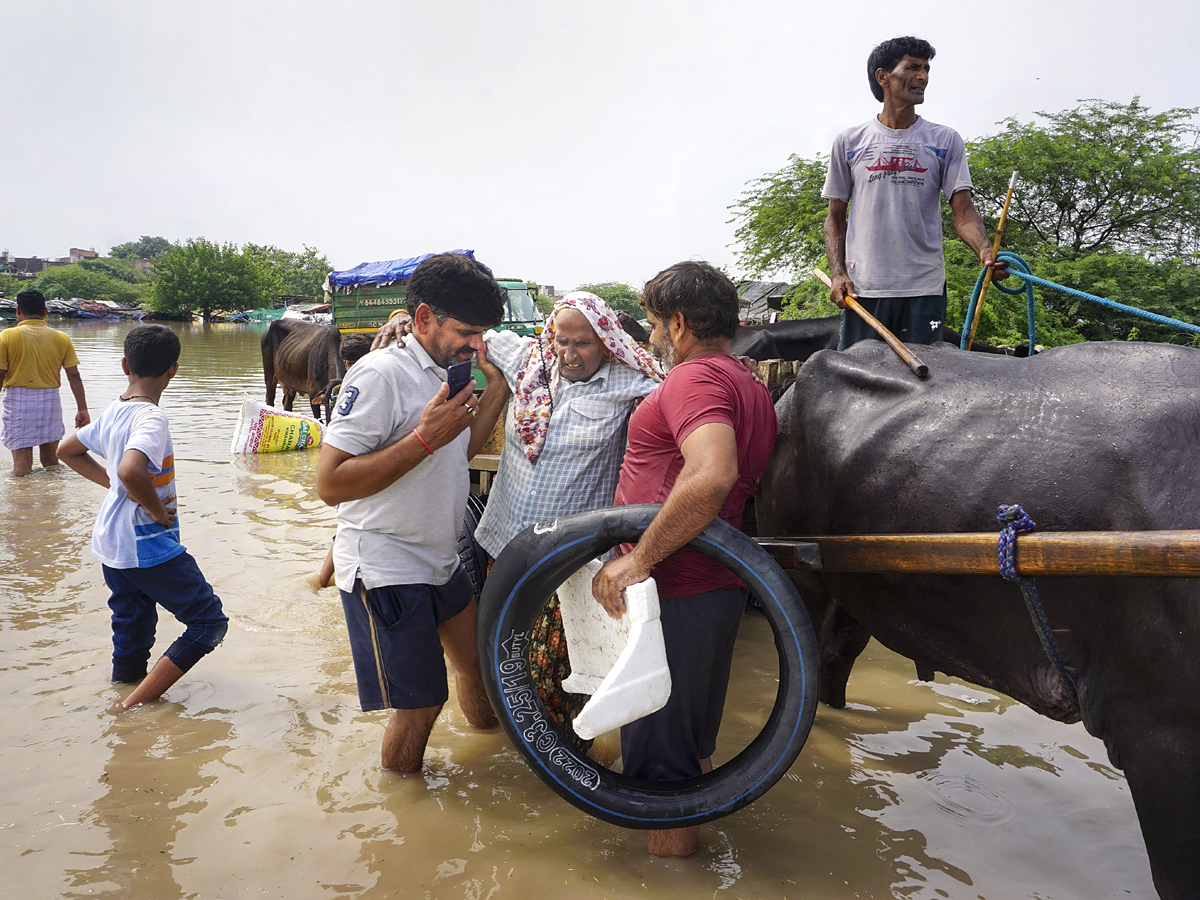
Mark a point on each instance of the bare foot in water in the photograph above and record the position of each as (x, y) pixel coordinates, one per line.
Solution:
(673, 841)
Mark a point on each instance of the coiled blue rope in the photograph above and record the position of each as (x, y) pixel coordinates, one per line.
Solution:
(1016, 521)
(1020, 270)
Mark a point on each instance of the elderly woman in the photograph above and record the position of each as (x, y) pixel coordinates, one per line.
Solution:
(574, 388)
(564, 434)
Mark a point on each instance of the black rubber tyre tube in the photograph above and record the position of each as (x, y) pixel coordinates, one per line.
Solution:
(523, 578)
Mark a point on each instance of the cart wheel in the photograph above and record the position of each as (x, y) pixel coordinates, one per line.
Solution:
(523, 578)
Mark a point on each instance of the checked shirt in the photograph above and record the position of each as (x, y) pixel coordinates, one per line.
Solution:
(585, 444)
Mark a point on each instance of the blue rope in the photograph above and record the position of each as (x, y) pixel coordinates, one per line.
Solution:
(1020, 270)
(1016, 521)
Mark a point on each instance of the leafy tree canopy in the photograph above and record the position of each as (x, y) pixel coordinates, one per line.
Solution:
(1108, 202)
(1102, 177)
(296, 273)
(618, 295)
(114, 268)
(202, 277)
(79, 280)
(10, 285)
(145, 248)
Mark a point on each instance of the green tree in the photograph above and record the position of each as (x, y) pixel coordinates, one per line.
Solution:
(781, 220)
(114, 268)
(10, 285)
(1108, 203)
(1100, 178)
(618, 295)
(78, 280)
(297, 273)
(145, 248)
(203, 277)
(543, 303)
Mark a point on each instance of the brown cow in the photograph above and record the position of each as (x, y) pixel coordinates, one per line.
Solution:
(302, 358)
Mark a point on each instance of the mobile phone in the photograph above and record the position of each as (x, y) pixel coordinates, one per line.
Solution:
(458, 376)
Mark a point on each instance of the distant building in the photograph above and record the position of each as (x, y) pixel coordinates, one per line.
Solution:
(547, 290)
(24, 265)
(144, 265)
(76, 255)
(761, 301)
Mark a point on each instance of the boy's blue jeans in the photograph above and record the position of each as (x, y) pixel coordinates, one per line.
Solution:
(179, 587)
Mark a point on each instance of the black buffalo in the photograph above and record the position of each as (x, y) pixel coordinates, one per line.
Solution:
(632, 327)
(798, 339)
(1092, 437)
(302, 358)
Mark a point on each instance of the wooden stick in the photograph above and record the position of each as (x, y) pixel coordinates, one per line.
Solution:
(1163, 554)
(910, 359)
(987, 277)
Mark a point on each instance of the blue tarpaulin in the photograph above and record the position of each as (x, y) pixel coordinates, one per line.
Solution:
(384, 272)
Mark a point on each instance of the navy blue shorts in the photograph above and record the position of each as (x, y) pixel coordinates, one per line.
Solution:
(178, 587)
(394, 640)
(915, 320)
(699, 633)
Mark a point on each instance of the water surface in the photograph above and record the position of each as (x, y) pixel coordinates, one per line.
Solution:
(258, 776)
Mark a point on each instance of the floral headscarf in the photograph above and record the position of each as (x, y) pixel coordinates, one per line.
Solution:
(537, 382)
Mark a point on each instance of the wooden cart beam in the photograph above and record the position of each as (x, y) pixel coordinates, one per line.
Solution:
(1171, 554)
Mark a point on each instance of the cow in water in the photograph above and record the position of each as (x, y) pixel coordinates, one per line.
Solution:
(302, 358)
(1090, 437)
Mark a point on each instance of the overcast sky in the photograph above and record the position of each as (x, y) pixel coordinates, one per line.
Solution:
(563, 142)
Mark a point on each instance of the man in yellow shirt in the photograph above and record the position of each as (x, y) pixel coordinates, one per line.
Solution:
(31, 355)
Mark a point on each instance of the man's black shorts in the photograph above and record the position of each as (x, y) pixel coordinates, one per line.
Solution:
(914, 320)
(699, 633)
(394, 640)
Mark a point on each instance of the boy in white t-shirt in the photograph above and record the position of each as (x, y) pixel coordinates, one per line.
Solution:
(136, 536)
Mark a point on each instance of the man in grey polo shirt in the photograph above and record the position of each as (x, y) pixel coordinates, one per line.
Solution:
(394, 461)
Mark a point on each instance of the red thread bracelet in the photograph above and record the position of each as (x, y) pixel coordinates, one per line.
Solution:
(422, 440)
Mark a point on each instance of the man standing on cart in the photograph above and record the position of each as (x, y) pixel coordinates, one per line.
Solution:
(890, 174)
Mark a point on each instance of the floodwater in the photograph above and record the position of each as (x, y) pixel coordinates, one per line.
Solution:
(259, 776)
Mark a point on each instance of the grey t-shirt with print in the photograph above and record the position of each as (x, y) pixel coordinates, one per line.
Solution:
(894, 181)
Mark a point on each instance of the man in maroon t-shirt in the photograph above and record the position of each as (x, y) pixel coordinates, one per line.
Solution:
(699, 445)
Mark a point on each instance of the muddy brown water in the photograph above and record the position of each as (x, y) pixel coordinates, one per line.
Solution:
(258, 775)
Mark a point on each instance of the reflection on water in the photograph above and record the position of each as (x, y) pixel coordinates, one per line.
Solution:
(260, 775)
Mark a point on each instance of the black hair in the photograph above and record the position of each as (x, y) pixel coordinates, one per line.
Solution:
(456, 286)
(151, 350)
(354, 347)
(887, 54)
(707, 299)
(31, 302)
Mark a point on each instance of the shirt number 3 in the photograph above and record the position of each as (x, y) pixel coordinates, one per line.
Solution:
(348, 398)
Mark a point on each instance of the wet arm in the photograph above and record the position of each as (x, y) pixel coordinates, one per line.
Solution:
(968, 224)
(342, 476)
(75, 380)
(709, 473)
(71, 452)
(835, 252)
(134, 472)
(491, 405)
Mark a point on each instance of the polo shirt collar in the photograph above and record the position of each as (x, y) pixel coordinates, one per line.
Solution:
(424, 359)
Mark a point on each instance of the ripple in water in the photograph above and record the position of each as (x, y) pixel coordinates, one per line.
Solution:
(965, 797)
